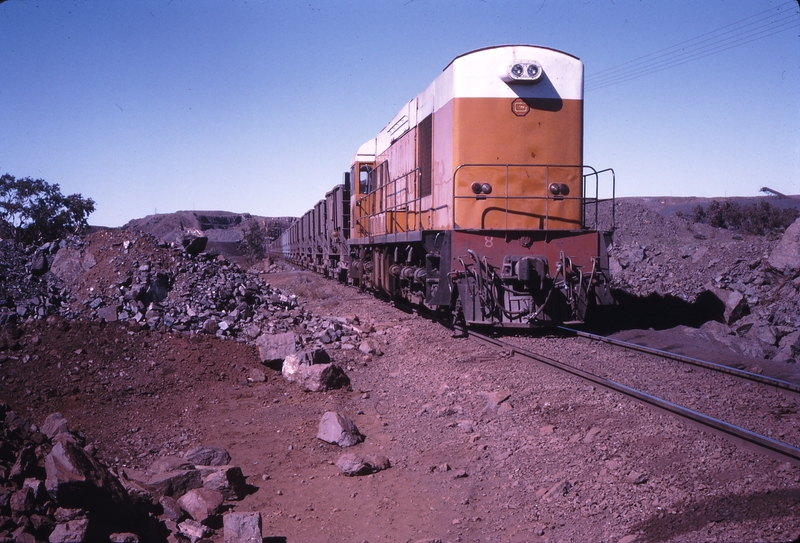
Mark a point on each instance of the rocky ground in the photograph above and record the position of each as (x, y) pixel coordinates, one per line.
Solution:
(149, 352)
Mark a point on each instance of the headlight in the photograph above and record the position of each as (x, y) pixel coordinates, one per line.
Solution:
(564, 189)
(555, 189)
(478, 188)
(526, 71)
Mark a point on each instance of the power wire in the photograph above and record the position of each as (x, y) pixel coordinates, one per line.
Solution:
(710, 43)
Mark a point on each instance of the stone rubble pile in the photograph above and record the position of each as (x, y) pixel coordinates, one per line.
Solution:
(757, 280)
(192, 491)
(176, 290)
(52, 488)
(23, 290)
(136, 279)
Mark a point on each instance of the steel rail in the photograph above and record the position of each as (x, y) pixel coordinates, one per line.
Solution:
(783, 386)
(740, 436)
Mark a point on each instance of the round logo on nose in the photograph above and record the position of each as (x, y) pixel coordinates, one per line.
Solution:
(519, 107)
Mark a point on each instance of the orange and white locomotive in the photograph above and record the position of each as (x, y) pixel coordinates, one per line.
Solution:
(473, 199)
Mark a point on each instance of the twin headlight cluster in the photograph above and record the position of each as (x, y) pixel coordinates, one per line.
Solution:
(524, 71)
(481, 188)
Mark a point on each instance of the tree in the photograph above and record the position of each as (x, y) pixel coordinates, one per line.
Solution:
(254, 243)
(34, 211)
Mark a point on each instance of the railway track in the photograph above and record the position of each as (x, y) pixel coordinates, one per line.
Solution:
(775, 384)
(736, 432)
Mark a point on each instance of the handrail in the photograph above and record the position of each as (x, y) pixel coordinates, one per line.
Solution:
(391, 190)
(547, 196)
(409, 183)
(596, 174)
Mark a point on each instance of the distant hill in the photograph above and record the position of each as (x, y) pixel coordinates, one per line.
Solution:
(225, 230)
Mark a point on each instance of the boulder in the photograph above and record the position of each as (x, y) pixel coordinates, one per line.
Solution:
(73, 531)
(256, 375)
(107, 313)
(194, 241)
(338, 429)
(39, 264)
(201, 503)
(172, 510)
(351, 464)
(322, 377)
(227, 480)
(791, 341)
(274, 347)
(76, 480)
(140, 496)
(70, 262)
(25, 465)
(168, 483)
(495, 398)
(210, 326)
(786, 255)
(41, 524)
(735, 304)
(763, 333)
(207, 456)
(123, 537)
(290, 369)
(64, 514)
(163, 464)
(242, 528)
(293, 362)
(193, 530)
(21, 501)
(55, 423)
(370, 346)
(719, 332)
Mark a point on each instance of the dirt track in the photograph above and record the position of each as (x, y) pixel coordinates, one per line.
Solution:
(555, 461)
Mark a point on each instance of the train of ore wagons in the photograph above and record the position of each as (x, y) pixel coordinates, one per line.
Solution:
(474, 200)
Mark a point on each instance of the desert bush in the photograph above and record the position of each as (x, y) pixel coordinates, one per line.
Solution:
(254, 243)
(759, 219)
(699, 214)
(34, 211)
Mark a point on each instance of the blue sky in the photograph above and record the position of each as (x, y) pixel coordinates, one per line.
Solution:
(258, 106)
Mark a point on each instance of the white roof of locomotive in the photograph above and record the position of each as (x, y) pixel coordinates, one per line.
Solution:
(478, 74)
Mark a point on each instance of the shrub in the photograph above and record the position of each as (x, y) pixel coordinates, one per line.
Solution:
(254, 243)
(34, 211)
(759, 219)
(698, 214)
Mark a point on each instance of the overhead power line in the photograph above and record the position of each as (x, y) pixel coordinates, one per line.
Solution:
(755, 27)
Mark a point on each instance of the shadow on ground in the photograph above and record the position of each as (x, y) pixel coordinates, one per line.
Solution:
(653, 311)
(705, 515)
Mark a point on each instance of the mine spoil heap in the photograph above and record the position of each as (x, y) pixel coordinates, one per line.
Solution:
(130, 276)
(660, 256)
